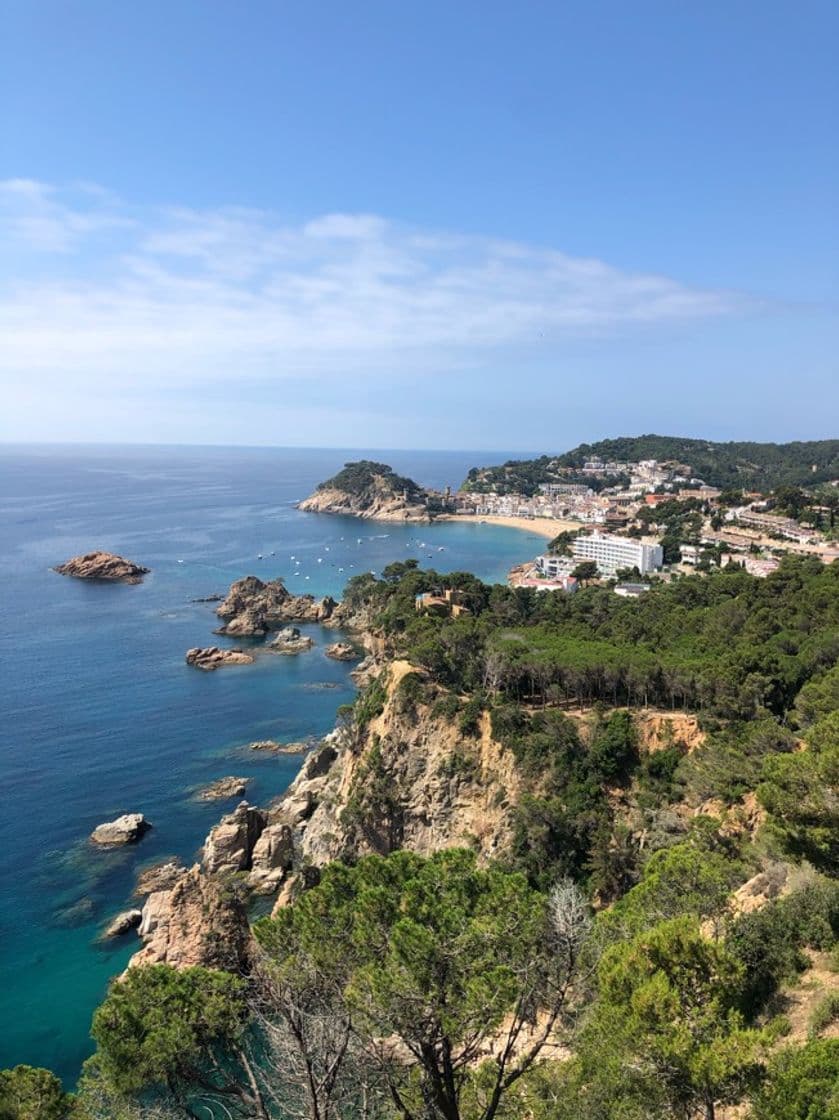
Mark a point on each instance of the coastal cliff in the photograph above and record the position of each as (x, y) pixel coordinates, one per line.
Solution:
(373, 491)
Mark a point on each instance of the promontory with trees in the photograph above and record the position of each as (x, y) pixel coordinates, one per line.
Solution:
(564, 857)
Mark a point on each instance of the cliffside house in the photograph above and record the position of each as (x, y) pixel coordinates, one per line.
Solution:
(443, 602)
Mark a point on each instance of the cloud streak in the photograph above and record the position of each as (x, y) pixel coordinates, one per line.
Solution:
(96, 287)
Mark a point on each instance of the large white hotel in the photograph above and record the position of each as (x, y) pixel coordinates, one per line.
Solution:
(612, 553)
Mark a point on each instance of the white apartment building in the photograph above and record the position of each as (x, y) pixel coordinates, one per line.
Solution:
(554, 567)
(612, 553)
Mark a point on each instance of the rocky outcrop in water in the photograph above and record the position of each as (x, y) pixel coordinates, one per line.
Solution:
(127, 829)
(212, 657)
(200, 921)
(252, 608)
(224, 788)
(342, 651)
(102, 566)
(160, 876)
(123, 923)
(290, 641)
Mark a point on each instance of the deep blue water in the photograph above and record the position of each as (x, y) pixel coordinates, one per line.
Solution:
(101, 715)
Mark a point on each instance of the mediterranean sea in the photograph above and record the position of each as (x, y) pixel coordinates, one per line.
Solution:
(101, 716)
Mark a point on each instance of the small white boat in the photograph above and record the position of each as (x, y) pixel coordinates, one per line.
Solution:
(180, 561)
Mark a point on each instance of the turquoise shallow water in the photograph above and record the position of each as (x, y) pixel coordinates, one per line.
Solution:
(101, 715)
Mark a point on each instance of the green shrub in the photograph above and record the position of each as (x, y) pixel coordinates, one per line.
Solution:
(825, 1013)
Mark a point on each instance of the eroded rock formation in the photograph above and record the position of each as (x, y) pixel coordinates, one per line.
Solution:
(127, 829)
(224, 788)
(290, 641)
(252, 608)
(229, 845)
(213, 657)
(103, 566)
(200, 921)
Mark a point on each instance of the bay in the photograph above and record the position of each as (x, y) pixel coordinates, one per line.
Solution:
(101, 716)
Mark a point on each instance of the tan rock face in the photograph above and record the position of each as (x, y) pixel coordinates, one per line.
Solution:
(271, 859)
(252, 608)
(213, 657)
(127, 829)
(342, 651)
(160, 876)
(230, 844)
(442, 789)
(123, 923)
(380, 503)
(104, 566)
(200, 921)
(289, 641)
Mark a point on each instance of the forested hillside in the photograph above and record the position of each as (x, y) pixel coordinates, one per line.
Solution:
(758, 466)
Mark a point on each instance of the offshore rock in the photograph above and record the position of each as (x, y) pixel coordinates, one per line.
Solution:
(212, 657)
(224, 788)
(200, 921)
(290, 641)
(342, 651)
(127, 829)
(103, 566)
(253, 607)
(283, 748)
(230, 844)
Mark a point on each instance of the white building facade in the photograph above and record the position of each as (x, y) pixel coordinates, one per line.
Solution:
(613, 553)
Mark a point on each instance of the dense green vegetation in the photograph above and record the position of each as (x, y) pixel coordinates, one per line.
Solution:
(751, 466)
(364, 477)
(727, 645)
(405, 988)
(411, 988)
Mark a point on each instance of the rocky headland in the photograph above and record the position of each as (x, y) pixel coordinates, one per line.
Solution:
(102, 566)
(209, 658)
(374, 491)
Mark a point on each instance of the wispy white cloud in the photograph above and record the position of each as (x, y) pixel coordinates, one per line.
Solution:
(96, 287)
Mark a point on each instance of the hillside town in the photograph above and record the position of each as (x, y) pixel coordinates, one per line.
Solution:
(653, 520)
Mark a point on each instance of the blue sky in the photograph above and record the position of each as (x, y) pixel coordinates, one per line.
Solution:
(392, 224)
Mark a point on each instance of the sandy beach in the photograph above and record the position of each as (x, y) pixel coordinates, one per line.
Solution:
(548, 527)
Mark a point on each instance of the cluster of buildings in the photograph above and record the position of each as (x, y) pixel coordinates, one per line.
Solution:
(611, 507)
(747, 535)
(771, 524)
